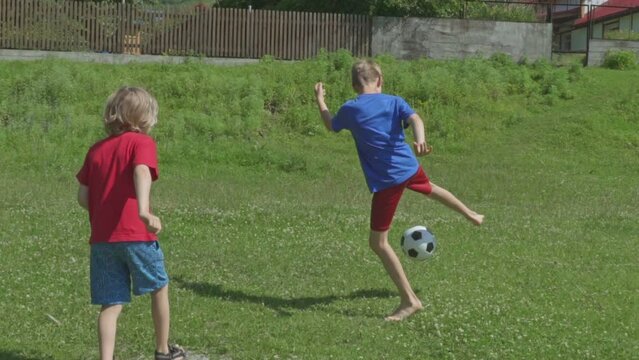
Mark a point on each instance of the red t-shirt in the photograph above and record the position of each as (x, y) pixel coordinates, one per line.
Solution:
(108, 172)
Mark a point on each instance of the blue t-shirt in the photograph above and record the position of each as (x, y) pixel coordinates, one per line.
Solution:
(375, 121)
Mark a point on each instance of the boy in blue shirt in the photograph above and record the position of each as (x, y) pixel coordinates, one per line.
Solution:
(376, 121)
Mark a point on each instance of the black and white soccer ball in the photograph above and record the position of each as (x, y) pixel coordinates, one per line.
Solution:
(418, 243)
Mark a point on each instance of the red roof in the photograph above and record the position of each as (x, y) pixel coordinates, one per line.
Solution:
(609, 9)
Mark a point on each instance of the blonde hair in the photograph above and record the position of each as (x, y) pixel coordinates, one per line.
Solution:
(365, 72)
(130, 109)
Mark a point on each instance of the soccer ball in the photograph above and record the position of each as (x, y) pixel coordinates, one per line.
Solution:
(418, 243)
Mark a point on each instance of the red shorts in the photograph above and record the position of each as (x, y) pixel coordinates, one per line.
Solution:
(385, 202)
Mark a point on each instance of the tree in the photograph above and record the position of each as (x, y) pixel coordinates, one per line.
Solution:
(423, 8)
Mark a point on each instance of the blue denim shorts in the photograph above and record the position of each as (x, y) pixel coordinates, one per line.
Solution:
(118, 268)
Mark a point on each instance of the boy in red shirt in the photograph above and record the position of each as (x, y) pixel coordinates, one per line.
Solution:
(115, 185)
(376, 122)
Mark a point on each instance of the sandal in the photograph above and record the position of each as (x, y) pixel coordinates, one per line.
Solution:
(176, 352)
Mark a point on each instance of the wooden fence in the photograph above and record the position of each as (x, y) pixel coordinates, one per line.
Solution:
(163, 30)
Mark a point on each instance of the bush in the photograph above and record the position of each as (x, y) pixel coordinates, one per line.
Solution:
(248, 102)
(622, 35)
(501, 12)
(620, 60)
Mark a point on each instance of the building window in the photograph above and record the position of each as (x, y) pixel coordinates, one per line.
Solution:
(566, 40)
(610, 26)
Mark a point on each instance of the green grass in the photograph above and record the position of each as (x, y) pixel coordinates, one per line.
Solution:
(622, 35)
(266, 215)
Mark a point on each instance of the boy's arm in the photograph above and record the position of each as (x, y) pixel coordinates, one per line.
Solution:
(420, 146)
(83, 196)
(142, 180)
(327, 118)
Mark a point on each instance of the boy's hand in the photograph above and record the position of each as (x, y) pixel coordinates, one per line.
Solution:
(319, 92)
(152, 222)
(422, 149)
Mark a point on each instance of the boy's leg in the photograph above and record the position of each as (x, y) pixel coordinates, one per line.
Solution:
(107, 326)
(146, 261)
(409, 304)
(161, 318)
(110, 289)
(445, 197)
(383, 208)
(421, 183)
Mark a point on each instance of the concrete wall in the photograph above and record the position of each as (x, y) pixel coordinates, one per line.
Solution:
(598, 49)
(409, 38)
(115, 58)
(404, 38)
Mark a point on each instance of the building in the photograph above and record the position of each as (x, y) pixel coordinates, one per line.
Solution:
(605, 16)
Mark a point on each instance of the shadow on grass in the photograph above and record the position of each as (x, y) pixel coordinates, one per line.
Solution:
(13, 355)
(281, 305)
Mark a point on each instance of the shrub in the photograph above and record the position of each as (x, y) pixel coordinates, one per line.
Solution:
(622, 35)
(620, 60)
(502, 59)
(208, 103)
(501, 12)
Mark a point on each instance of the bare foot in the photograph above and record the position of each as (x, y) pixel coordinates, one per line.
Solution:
(476, 218)
(404, 311)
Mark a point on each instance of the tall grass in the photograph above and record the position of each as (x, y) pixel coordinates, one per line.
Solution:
(59, 98)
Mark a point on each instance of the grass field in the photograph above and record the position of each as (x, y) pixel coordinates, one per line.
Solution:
(266, 215)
